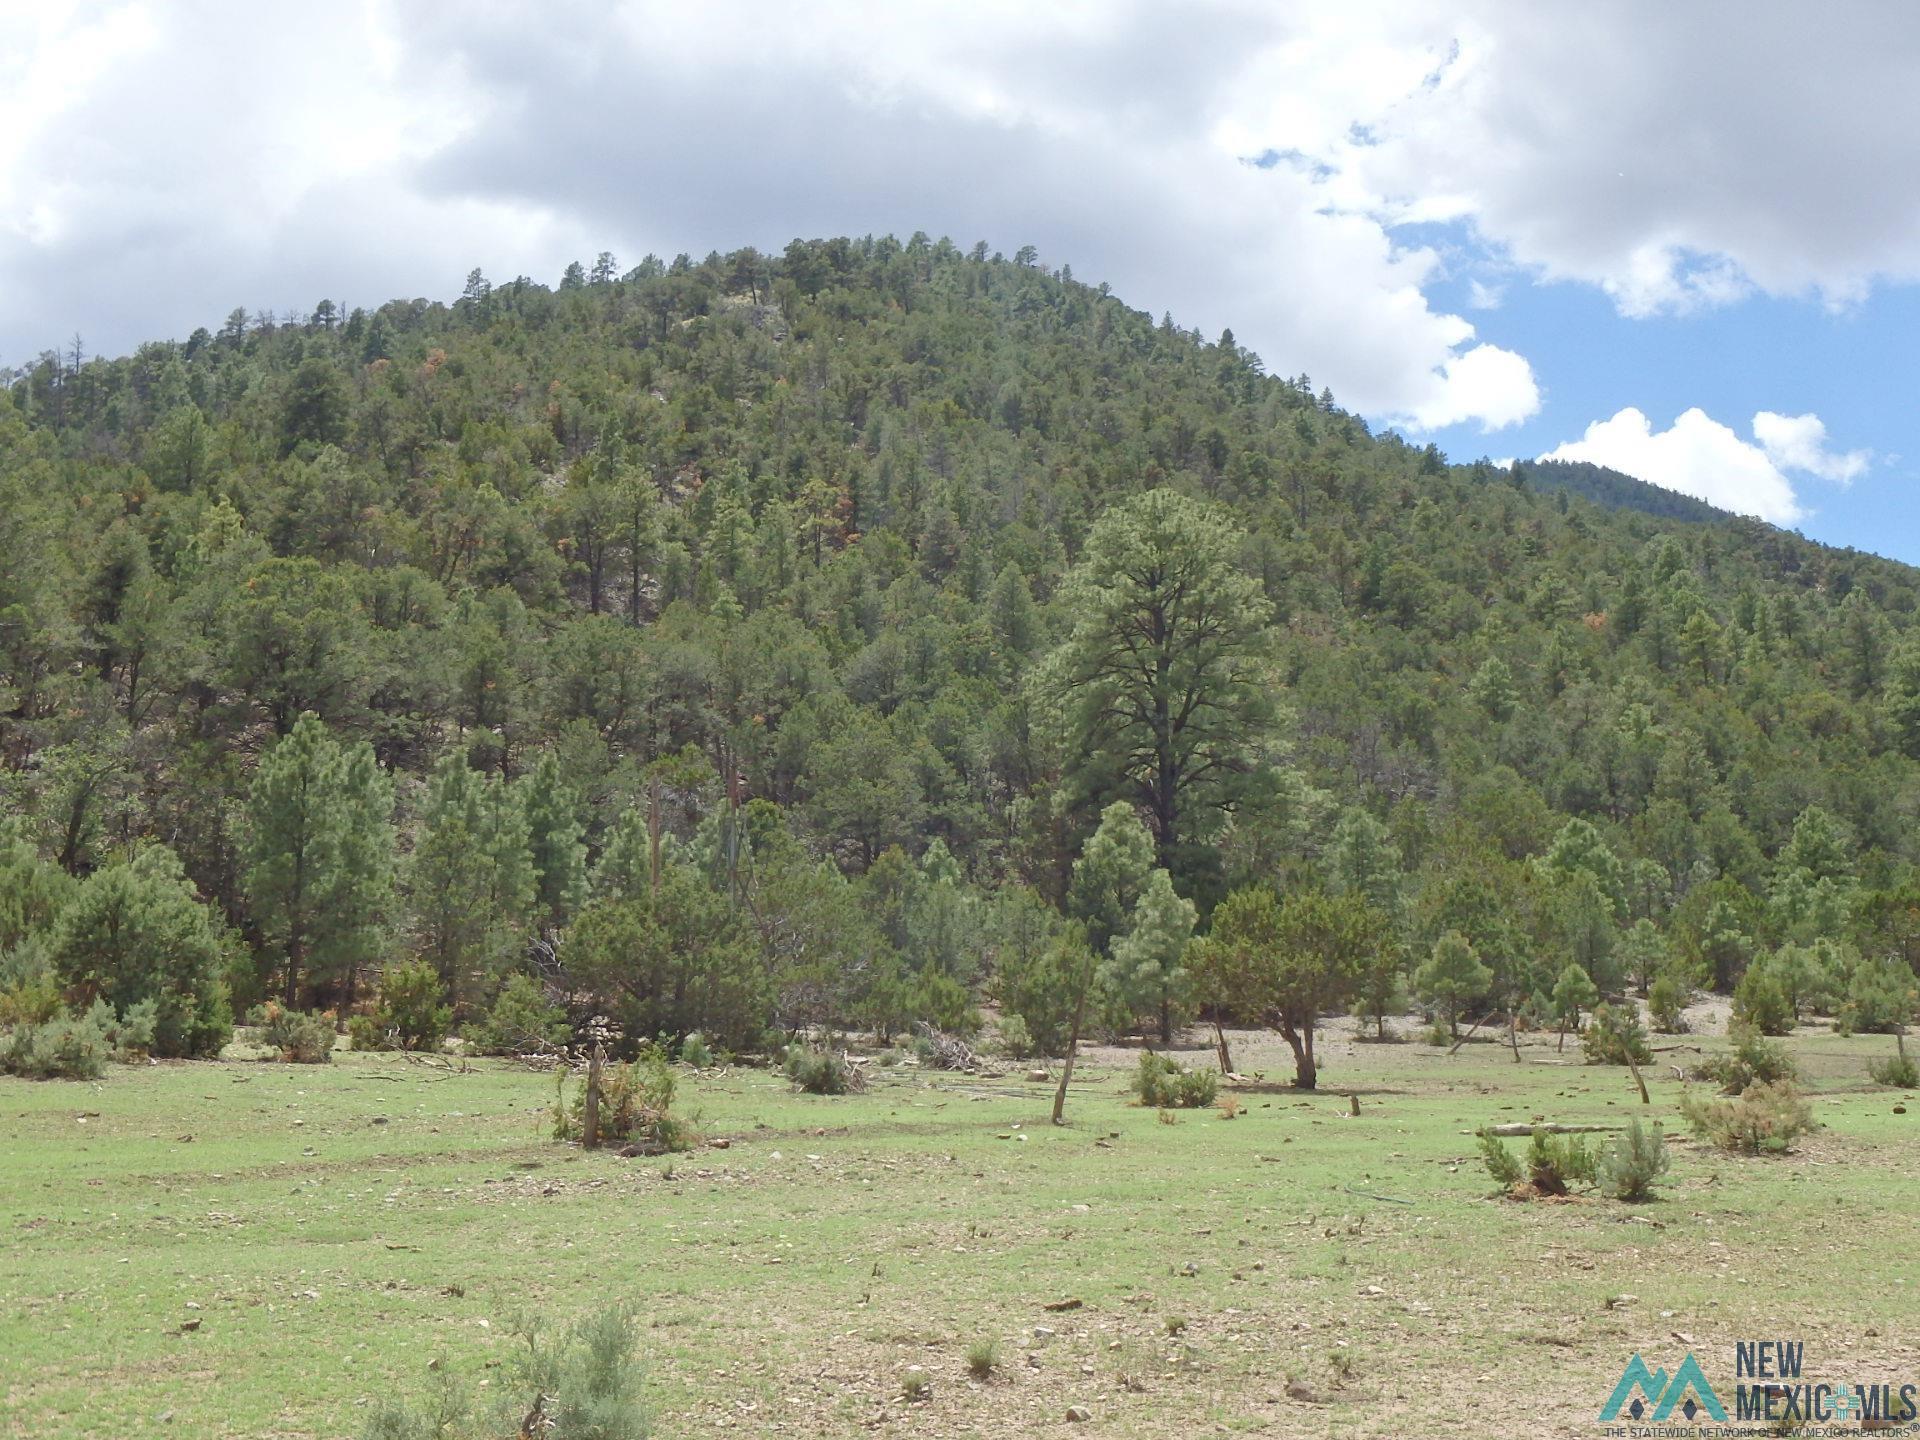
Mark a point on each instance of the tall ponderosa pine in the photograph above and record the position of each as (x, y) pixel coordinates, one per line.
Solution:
(1161, 682)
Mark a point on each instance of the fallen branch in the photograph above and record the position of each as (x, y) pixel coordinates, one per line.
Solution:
(949, 1052)
(1369, 1195)
(1520, 1130)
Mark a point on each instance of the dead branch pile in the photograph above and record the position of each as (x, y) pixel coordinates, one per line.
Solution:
(947, 1052)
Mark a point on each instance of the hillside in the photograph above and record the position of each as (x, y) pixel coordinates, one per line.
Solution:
(1614, 490)
(794, 530)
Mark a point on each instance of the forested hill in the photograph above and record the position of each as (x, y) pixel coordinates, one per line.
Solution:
(1611, 488)
(800, 531)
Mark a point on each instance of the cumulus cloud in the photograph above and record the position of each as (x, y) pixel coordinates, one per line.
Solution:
(1487, 384)
(161, 163)
(223, 154)
(1670, 157)
(1699, 456)
(1799, 442)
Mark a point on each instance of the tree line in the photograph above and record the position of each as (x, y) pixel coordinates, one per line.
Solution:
(850, 636)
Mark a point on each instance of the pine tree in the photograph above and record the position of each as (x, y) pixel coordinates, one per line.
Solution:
(1573, 992)
(1161, 683)
(1143, 970)
(558, 854)
(291, 825)
(1111, 875)
(135, 933)
(471, 879)
(358, 919)
(320, 849)
(1451, 977)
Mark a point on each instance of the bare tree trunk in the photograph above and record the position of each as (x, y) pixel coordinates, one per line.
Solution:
(1644, 1100)
(1073, 1049)
(1468, 1036)
(1220, 1044)
(590, 1122)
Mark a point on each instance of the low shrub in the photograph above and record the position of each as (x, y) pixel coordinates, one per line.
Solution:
(582, 1384)
(1499, 1161)
(695, 1051)
(65, 1047)
(1897, 1070)
(983, 1358)
(1557, 1162)
(412, 1006)
(1764, 1119)
(301, 1039)
(1614, 1035)
(821, 1072)
(1633, 1161)
(1667, 1001)
(1162, 1083)
(1015, 1039)
(1753, 1060)
(636, 1106)
(523, 1021)
(364, 1033)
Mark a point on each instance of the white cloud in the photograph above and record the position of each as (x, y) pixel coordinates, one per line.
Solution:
(1697, 456)
(1487, 384)
(1670, 157)
(163, 161)
(1799, 442)
(1483, 296)
(226, 154)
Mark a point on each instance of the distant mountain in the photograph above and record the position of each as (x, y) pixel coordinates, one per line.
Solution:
(1614, 490)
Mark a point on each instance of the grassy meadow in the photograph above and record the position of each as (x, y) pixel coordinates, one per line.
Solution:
(252, 1249)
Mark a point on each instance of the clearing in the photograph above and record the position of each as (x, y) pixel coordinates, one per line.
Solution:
(255, 1249)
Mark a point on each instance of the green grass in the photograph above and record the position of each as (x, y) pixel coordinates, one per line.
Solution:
(788, 1282)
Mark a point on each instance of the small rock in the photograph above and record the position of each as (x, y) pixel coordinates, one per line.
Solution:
(1079, 1414)
(721, 1144)
(379, 1119)
(1043, 1332)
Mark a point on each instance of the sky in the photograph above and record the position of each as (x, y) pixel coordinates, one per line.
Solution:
(1680, 240)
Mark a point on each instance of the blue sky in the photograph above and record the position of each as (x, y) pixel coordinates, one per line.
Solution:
(1628, 228)
(1855, 367)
